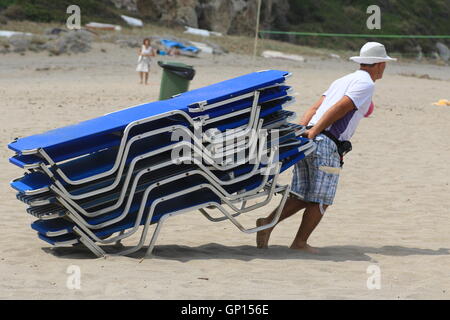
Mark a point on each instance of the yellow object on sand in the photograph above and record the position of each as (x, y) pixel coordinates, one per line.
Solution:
(442, 102)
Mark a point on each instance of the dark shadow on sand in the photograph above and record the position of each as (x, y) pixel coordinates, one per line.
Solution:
(248, 253)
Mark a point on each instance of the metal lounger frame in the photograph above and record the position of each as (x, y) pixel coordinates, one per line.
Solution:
(201, 106)
(138, 158)
(33, 192)
(223, 149)
(204, 172)
(75, 209)
(121, 157)
(81, 224)
(144, 171)
(99, 252)
(129, 143)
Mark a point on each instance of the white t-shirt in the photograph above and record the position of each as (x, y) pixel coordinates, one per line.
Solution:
(359, 87)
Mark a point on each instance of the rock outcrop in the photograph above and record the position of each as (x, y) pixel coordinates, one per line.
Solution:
(225, 16)
(170, 12)
(75, 41)
(444, 51)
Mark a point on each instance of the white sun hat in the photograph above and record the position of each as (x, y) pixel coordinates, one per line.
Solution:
(372, 52)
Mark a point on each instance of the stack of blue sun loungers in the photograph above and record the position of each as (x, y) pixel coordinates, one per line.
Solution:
(102, 180)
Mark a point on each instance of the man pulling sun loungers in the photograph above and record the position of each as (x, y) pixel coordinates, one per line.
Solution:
(331, 122)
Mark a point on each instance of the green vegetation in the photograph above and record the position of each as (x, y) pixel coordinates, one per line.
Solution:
(55, 11)
(404, 17)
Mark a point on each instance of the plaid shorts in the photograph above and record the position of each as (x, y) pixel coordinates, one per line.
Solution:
(316, 177)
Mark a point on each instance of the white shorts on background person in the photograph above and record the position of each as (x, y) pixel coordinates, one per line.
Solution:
(143, 64)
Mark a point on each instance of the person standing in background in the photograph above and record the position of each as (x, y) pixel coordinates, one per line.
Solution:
(143, 67)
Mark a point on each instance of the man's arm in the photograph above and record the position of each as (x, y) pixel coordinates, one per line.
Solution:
(307, 116)
(336, 112)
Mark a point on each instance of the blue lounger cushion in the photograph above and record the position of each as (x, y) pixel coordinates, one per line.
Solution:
(54, 227)
(266, 111)
(84, 167)
(35, 181)
(66, 239)
(159, 174)
(97, 143)
(104, 160)
(37, 200)
(99, 200)
(139, 148)
(117, 121)
(265, 96)
(195, 199)
(151, 178)
(175, 44)
(26, 161)
(112, 141)
(63, 151)
(38, 182)
(57, 226)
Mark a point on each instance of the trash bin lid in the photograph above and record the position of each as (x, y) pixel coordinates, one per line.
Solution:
(180, 69)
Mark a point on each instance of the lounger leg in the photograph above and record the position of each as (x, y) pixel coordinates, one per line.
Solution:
(212, 219)
(155, 236)
(89, 243)
(266, 226)
(90, 247)
(119, 242)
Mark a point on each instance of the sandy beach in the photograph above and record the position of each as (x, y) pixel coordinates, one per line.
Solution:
(391, 210)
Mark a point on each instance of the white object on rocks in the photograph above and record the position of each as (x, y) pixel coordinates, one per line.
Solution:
(335, 56)
(201, 32)
(444, 51)
(8, 34)
(280, 55)
(134, 22)
(419, 57)
(75, 41)
(103, 26)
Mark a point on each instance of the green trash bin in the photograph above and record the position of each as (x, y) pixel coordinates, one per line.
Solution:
(175, 78)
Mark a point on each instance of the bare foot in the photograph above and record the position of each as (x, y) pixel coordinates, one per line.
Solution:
(305, 247)
(262, 237)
